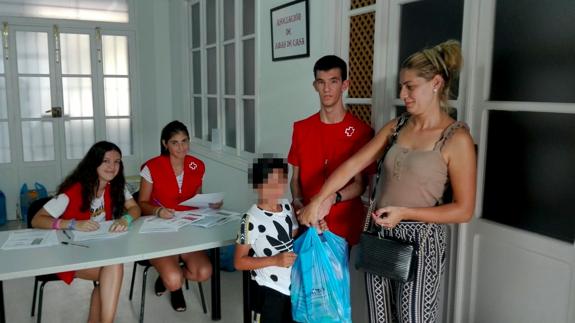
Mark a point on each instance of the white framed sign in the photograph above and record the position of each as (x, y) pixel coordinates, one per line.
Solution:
(290, 30)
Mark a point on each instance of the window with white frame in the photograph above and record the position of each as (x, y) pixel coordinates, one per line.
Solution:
(74, 79)
(4, 135)
(222, 66)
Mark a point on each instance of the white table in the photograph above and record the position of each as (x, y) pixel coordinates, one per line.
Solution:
(127, 248)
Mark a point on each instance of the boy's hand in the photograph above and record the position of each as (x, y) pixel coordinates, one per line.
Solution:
(285, 259)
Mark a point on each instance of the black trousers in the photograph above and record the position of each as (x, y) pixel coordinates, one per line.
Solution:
(269, 305)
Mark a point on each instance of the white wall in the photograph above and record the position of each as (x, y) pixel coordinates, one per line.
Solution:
(285, 94)
(154, 66)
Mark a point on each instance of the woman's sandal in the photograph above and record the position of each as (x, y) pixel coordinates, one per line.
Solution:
(178, 301)
(159, 287)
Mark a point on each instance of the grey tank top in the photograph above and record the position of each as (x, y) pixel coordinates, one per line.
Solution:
(415, 178)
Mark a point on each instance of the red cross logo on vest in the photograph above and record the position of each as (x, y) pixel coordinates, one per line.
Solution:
(349, 131)
(193, 166)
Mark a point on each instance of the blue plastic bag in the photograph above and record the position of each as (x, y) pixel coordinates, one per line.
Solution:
(320, 289)
(27, 196)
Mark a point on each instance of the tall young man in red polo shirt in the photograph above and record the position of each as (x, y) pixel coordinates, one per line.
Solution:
(321, 142)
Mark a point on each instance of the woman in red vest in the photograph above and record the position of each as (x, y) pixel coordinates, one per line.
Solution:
(94, 192)
(168, 180)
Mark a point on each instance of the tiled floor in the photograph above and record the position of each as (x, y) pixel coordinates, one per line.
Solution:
(64, 303)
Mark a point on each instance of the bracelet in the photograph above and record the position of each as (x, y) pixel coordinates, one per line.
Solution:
(128, 218)
(157, 211)
(72, 224)
(56, 224)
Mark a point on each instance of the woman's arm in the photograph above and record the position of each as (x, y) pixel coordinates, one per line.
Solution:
(44, 220)
(146, 206)
(459, 152)
(242, 261)
(123, 224)
(354, 165)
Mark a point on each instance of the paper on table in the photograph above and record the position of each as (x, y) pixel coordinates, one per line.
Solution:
(211, 217)
(30, 238)
(203, 200)
(156, 224)
(103, 232)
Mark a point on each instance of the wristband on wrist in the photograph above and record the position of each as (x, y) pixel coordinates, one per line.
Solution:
(158, 210)
(72, 224)
(56, 224)
(128, 218)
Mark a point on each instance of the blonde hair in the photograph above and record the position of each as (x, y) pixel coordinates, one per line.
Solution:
(444, 59)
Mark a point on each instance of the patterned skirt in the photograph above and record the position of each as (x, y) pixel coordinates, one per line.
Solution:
(415, 301)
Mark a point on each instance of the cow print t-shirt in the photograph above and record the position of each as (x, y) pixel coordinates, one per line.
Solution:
(269, 233)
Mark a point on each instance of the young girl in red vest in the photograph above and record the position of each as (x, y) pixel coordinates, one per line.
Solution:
(168, 180)
(94, 192)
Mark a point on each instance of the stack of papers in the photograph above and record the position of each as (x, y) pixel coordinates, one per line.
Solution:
(30, 238)
(103, 232)
(211, 217)
(204, 200)
(156, 224)
(204, 218)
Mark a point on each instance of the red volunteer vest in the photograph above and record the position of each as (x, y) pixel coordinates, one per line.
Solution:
(165, 190)
(74, 194)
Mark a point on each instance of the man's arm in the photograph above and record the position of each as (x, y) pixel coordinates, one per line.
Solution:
(297, 197)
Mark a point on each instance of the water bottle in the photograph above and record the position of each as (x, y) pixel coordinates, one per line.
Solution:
(24, 203)
(2, 208)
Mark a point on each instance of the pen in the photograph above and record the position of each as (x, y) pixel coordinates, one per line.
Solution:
(74, 244)
(67, 235)
(158, 203)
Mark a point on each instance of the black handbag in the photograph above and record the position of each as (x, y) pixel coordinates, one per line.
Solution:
(380, 255)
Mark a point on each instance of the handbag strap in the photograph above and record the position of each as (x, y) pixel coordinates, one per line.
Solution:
(401, 121)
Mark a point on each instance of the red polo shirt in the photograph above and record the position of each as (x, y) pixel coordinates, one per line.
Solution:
(318, 149)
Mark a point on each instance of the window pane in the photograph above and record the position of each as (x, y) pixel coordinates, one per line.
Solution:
(3, 104)
(212, 116)
(212, 71)
(354, 4)
(249, 126)
(249, 67)
(79, 137)
(77, 92)
(119, 131)
(2, 60)
(198, 129)
(196, 25)
(101, 10)
(230, 69)
(197, 72)
(34, 96)
(248, 16)
(75, 53)
(37, 141)
(362, 29)
(230, 119)
(210, 22)
(117, 96)
(32, 52)
(115, 55)
(419, 28)
(542, 68)
(4, 143)
(229, 21)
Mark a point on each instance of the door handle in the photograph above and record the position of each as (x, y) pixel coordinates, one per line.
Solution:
(56, 112)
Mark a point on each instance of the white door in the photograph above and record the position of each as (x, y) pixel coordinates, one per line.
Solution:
(508, 274)
(64, 90)
(32, 95)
